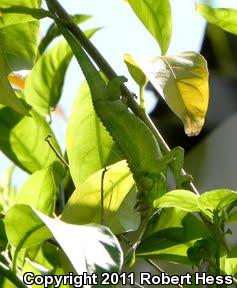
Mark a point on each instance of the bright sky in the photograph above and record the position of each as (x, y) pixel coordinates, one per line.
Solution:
(123, 33)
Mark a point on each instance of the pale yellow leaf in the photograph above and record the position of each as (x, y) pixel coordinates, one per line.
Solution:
(182, 80)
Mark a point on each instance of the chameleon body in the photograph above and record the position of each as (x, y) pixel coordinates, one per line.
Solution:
(134, 138)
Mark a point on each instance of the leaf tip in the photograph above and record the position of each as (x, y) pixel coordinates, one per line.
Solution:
(193, 125)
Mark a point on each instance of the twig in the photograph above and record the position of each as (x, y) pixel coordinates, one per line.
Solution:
(11, 276)
(135, 285)
(47, 139)
(55, 7)
(102, 196)
(235, 281)
(157, 268)
(149, 261)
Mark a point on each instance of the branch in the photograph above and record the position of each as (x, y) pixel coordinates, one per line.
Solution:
(55, 7)
(11, 277)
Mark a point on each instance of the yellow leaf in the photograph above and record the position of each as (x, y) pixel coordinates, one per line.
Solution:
(182, 80)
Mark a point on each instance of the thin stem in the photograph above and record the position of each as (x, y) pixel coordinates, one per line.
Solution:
(149, 261)
(62, 197)
(158, 269)
(235, 281)
(102, 197)
(135, 285)
(142, 98)
(47, 139)
(55, 7)
(11, 276)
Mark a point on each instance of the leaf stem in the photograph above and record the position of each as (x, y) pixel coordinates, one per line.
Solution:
(11, 276)
(47, 139)
(149, 261)
(142, 98)
(102, 197)
(55, 7)
(158, 269)
(135, 285)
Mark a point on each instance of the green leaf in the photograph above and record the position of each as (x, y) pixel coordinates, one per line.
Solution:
(7, 95)
(20, 14)
(182, 199)
(135, 71)
(182, 80)
(156, 17)
(46, 255)
(54, 32)
(23, 227)
(7, 190)
(92, 148)
(203, 249)
(119, 215)
(3, 237)
(19, 41)
(216, 200)
(232, 217)
(169, 236)
(22, 139)
(229, 262)
(44, 84)
(90, 248)
(5, 283)
(223, 17)
(43, 87)
(41, 189)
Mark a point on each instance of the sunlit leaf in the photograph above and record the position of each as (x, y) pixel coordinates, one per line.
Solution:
(23, 227)
(182, 80)
(216, 200)
(7, 190)
(20, 14)
(22, 139)
(93, 148)
(41, 189)
(135, 71)
(44, 84)
(182, 199)
(89, 248)
(229, 262)
(5, 283)
(19, 40)
(43, 87)
(156, 17)
(18, 37)
(7, 95)
(119, 213)
(223, 17)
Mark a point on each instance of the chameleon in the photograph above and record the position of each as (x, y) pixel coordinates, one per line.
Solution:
(136, 141)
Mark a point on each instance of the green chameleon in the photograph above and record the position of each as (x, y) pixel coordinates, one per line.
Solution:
(136, 141)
